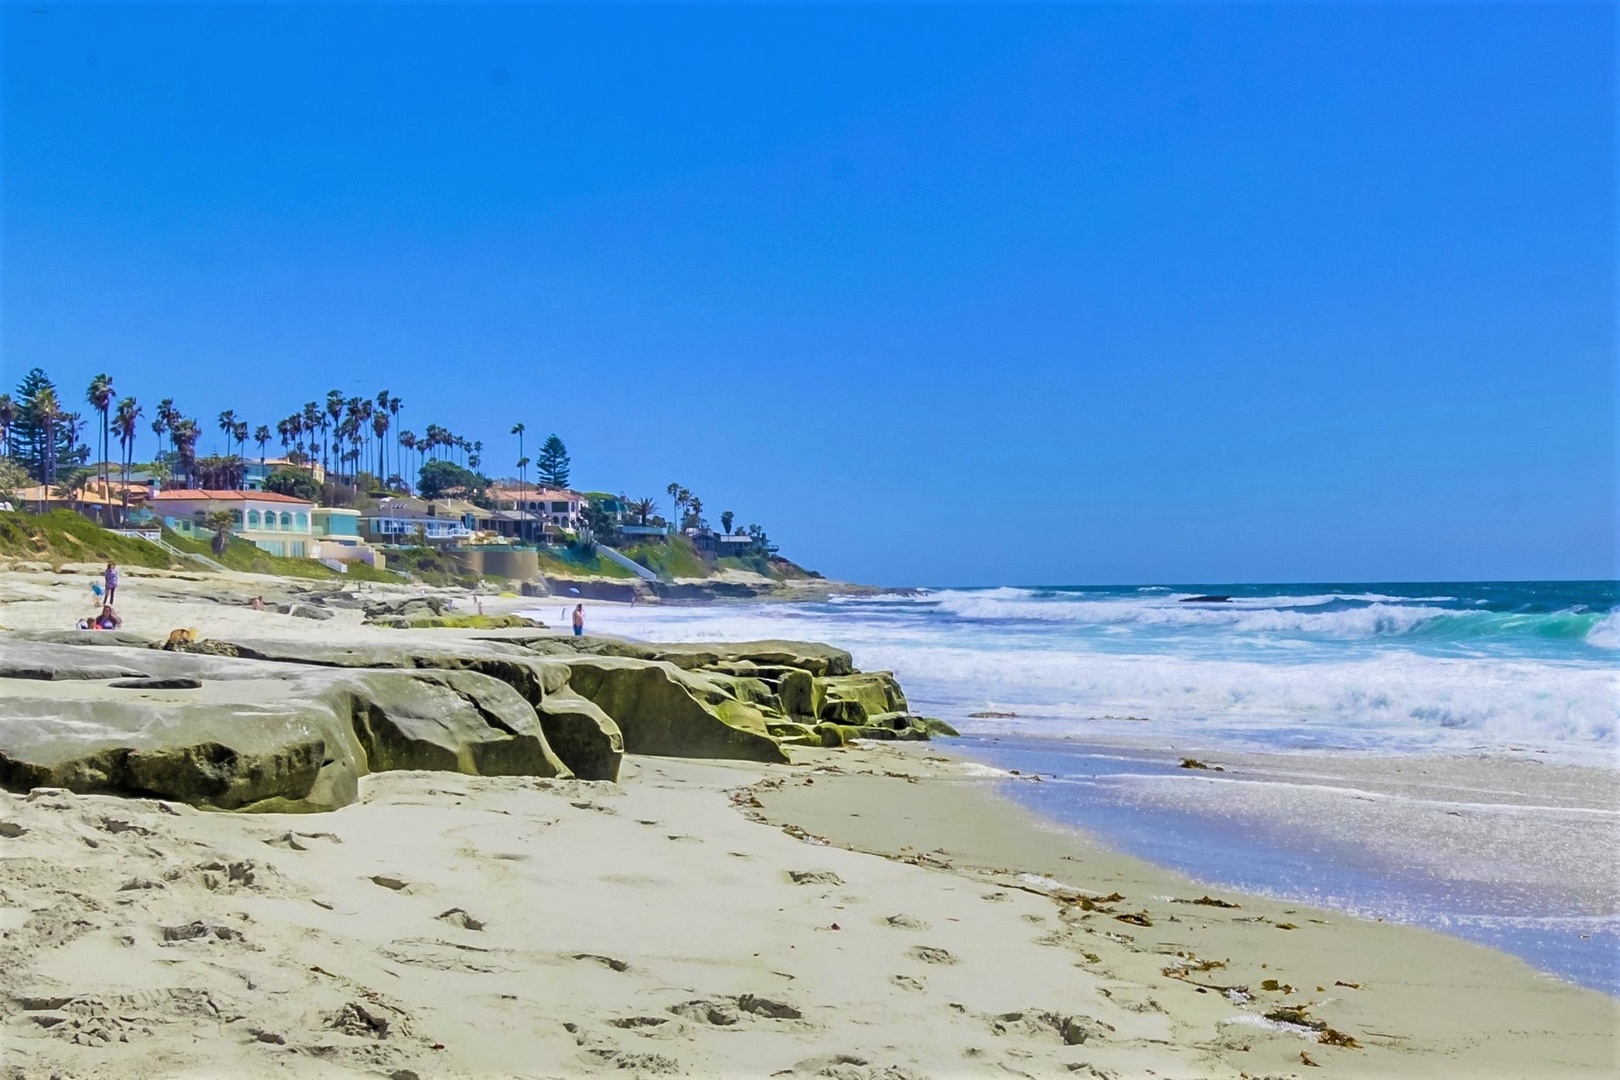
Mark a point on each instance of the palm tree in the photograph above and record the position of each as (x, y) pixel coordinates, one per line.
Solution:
(334, 412)
(643, 508)
(220, 522)
(407, 442)
(476, 456)
(310, 422)
(100, 397)
(261, 435)
(726, 517)
(379, 427)
(8, 416)
(241, 433)
(124, 425)
(162, 421)
(184, 432)
(393, 421)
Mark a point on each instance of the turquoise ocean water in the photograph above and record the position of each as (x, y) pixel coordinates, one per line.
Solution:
(1060, 679)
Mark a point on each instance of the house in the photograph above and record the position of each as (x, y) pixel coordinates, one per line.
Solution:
(561, 508)
(401, 520)
(102, 503)
(733, 545)
(254, 473)
(337, 538)
(278, 524)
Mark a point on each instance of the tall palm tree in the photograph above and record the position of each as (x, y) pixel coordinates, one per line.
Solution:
(643, 508)
(261, 435)
(311, 421)
(334, 414)
(241, 433)
(382, 448)
(379, 427)
(393, 420)
(476, 457)
(407, 442)
(8, 416)
(162, 421)
(100, 397)
(124, 425)
(184, 432)
(227, 424)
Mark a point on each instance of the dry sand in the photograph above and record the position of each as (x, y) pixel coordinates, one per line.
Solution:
(864, 913)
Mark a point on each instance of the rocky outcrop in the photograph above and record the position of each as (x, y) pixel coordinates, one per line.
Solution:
(453, 721)
(662, 709)
(856, 699)
(582, 734)
(231, 744)
(263, 724)
(812, 657)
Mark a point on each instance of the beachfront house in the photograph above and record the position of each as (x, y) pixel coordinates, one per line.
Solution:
(403, 520)
(254, 473)
(555, 507)
(337, 538)
(278, 524)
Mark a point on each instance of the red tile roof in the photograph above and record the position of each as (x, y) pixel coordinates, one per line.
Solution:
(200, 494)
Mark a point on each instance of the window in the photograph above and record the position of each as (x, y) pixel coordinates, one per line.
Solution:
(253, 519)
(286, 520)
(303, 521)
(559, 508)
(236, 518)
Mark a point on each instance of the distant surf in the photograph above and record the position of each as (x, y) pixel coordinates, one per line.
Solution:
(1484, 666)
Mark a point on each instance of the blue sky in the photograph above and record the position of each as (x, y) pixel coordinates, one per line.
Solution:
(937, 294)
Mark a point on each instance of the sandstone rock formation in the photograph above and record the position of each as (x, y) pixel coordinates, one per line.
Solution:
(263, 724)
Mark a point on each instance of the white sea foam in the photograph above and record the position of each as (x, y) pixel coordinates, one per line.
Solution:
(1606, 634)
(1187, 685)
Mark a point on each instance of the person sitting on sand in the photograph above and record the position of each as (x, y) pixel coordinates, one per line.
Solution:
(108, 619)
(579, 620)
(83, 624)
(110, 576)
(257, 603)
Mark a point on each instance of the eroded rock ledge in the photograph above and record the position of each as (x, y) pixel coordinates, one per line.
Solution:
(277, 725)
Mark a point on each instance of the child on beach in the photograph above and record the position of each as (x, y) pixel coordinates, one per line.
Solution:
(95, 594)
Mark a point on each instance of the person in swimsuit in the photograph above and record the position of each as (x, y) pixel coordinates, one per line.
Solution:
(579, 620)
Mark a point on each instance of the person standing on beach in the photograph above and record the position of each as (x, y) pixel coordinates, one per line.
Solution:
(110, 576)
(579, 620)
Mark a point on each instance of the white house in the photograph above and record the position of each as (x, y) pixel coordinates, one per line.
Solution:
(279, 524)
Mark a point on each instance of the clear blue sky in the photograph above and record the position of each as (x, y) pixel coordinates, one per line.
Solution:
(938, 295)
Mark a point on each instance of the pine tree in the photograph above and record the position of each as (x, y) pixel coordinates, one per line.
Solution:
(43, 437)
(553, 465)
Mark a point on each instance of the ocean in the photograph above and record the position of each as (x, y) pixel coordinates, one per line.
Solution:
(1101, 689)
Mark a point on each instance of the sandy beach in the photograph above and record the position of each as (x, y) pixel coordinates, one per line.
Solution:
(870, 911)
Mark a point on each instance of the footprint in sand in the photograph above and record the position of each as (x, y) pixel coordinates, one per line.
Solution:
(459, 917)
(906, 922)
(815, 877)
(295, 841)
(930, 954)
(906, 982)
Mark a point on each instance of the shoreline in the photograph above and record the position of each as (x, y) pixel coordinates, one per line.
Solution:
(1507, 851)
(876, 912)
